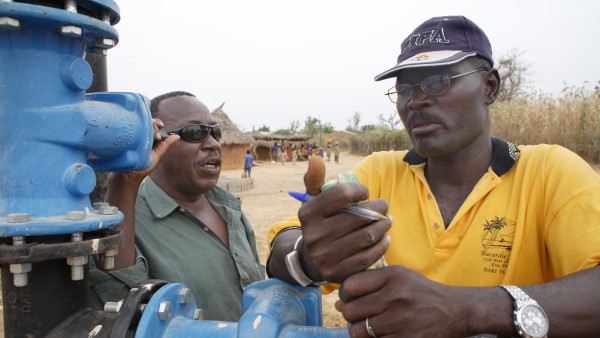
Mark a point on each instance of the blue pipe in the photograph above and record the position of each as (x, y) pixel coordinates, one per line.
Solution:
(271, 309)
(53, 135)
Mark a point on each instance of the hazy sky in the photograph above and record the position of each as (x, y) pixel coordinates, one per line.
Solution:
(275, 61)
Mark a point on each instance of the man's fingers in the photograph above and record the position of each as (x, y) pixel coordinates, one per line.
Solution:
(315, 175)
(161, 148)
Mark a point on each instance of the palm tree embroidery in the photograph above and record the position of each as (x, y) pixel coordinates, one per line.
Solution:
(490, 231)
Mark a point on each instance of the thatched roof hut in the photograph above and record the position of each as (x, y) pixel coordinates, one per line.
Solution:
(234, 142)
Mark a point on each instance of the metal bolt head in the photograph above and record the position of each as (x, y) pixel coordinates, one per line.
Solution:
(105, 43)
(20, 268)
(113, 307)
(71, 31)
(185, 295)
(76, 215)
(78, 260)
(108, 210)
(198, 314)
(164, 310)
(20, 217)
(98, 205)
(9, 23)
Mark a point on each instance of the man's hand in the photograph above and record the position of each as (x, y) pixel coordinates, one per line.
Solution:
(122, 192)
(400, 302)
(158, 150)
(338, 244)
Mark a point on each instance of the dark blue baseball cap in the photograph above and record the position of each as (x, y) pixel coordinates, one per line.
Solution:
(441, 41)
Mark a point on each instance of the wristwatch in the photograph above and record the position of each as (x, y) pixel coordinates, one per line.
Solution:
(529, 318)
(293, 266)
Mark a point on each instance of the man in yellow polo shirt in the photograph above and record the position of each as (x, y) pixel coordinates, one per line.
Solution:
(467, 213)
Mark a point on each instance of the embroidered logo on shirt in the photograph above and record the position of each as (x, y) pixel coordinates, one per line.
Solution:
(497, 240)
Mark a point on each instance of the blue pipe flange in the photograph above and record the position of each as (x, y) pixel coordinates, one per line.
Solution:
(271, 309)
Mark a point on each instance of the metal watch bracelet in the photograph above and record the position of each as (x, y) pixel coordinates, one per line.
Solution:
(292, 263)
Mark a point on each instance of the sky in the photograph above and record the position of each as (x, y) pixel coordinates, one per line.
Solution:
(275, 61)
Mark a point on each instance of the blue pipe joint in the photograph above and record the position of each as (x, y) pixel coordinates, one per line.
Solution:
(271, 309)
(52, 134)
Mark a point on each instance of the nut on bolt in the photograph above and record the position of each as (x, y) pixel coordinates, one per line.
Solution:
(108, 210)
(164, 310)
(98, 205)
(77, 260)
(109, 258)
(71, 31)
(9, 23)
(105, 43)
(76, 215)
(20, 268)
(185, 295)
(113, 307)
(19, 272)
(198, 314)
(19, 217)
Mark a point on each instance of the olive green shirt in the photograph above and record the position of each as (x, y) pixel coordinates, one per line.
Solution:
(180, 248)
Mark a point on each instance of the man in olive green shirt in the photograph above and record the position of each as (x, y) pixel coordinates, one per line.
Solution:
(187, 230)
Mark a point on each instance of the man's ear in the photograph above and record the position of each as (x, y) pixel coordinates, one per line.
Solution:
(492, 86)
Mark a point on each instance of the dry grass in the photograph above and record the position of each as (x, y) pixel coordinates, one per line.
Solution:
(571, 120)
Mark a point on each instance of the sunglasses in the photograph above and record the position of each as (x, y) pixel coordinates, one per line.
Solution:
(195, 133)
(433, 85)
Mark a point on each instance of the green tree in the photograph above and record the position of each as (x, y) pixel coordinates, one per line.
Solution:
(311, 125)
(327, 128)
(264, 128)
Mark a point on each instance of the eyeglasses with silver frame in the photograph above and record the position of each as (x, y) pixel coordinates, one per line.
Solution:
(432, 85)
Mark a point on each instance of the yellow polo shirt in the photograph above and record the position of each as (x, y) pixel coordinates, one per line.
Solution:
(533, 217)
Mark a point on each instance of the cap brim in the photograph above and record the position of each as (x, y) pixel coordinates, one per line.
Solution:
(427, 59)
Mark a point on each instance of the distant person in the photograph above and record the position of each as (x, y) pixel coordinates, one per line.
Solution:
(186, 228)
(288, 152)
(484, 236)
(276, 150)
(336, 152)
(248, 159)
(328, 151)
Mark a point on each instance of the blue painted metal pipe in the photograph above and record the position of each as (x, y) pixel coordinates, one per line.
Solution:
(271, 309)
(52, 135)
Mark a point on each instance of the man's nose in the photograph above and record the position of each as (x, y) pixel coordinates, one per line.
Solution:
(418, 97)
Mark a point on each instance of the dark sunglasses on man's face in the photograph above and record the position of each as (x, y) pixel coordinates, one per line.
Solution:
(195, 133)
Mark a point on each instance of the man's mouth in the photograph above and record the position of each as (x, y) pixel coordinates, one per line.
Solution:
(212, 163)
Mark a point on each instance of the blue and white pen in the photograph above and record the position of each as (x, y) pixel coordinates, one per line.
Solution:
(350, 208)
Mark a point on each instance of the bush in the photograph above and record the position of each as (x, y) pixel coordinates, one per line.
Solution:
(379, 140)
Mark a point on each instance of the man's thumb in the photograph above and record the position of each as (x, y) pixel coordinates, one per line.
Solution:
(315, 175)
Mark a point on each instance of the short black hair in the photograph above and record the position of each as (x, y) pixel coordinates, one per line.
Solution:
(478, 62)
(157, 100)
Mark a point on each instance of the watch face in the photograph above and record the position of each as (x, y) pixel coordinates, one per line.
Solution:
(533, 321)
